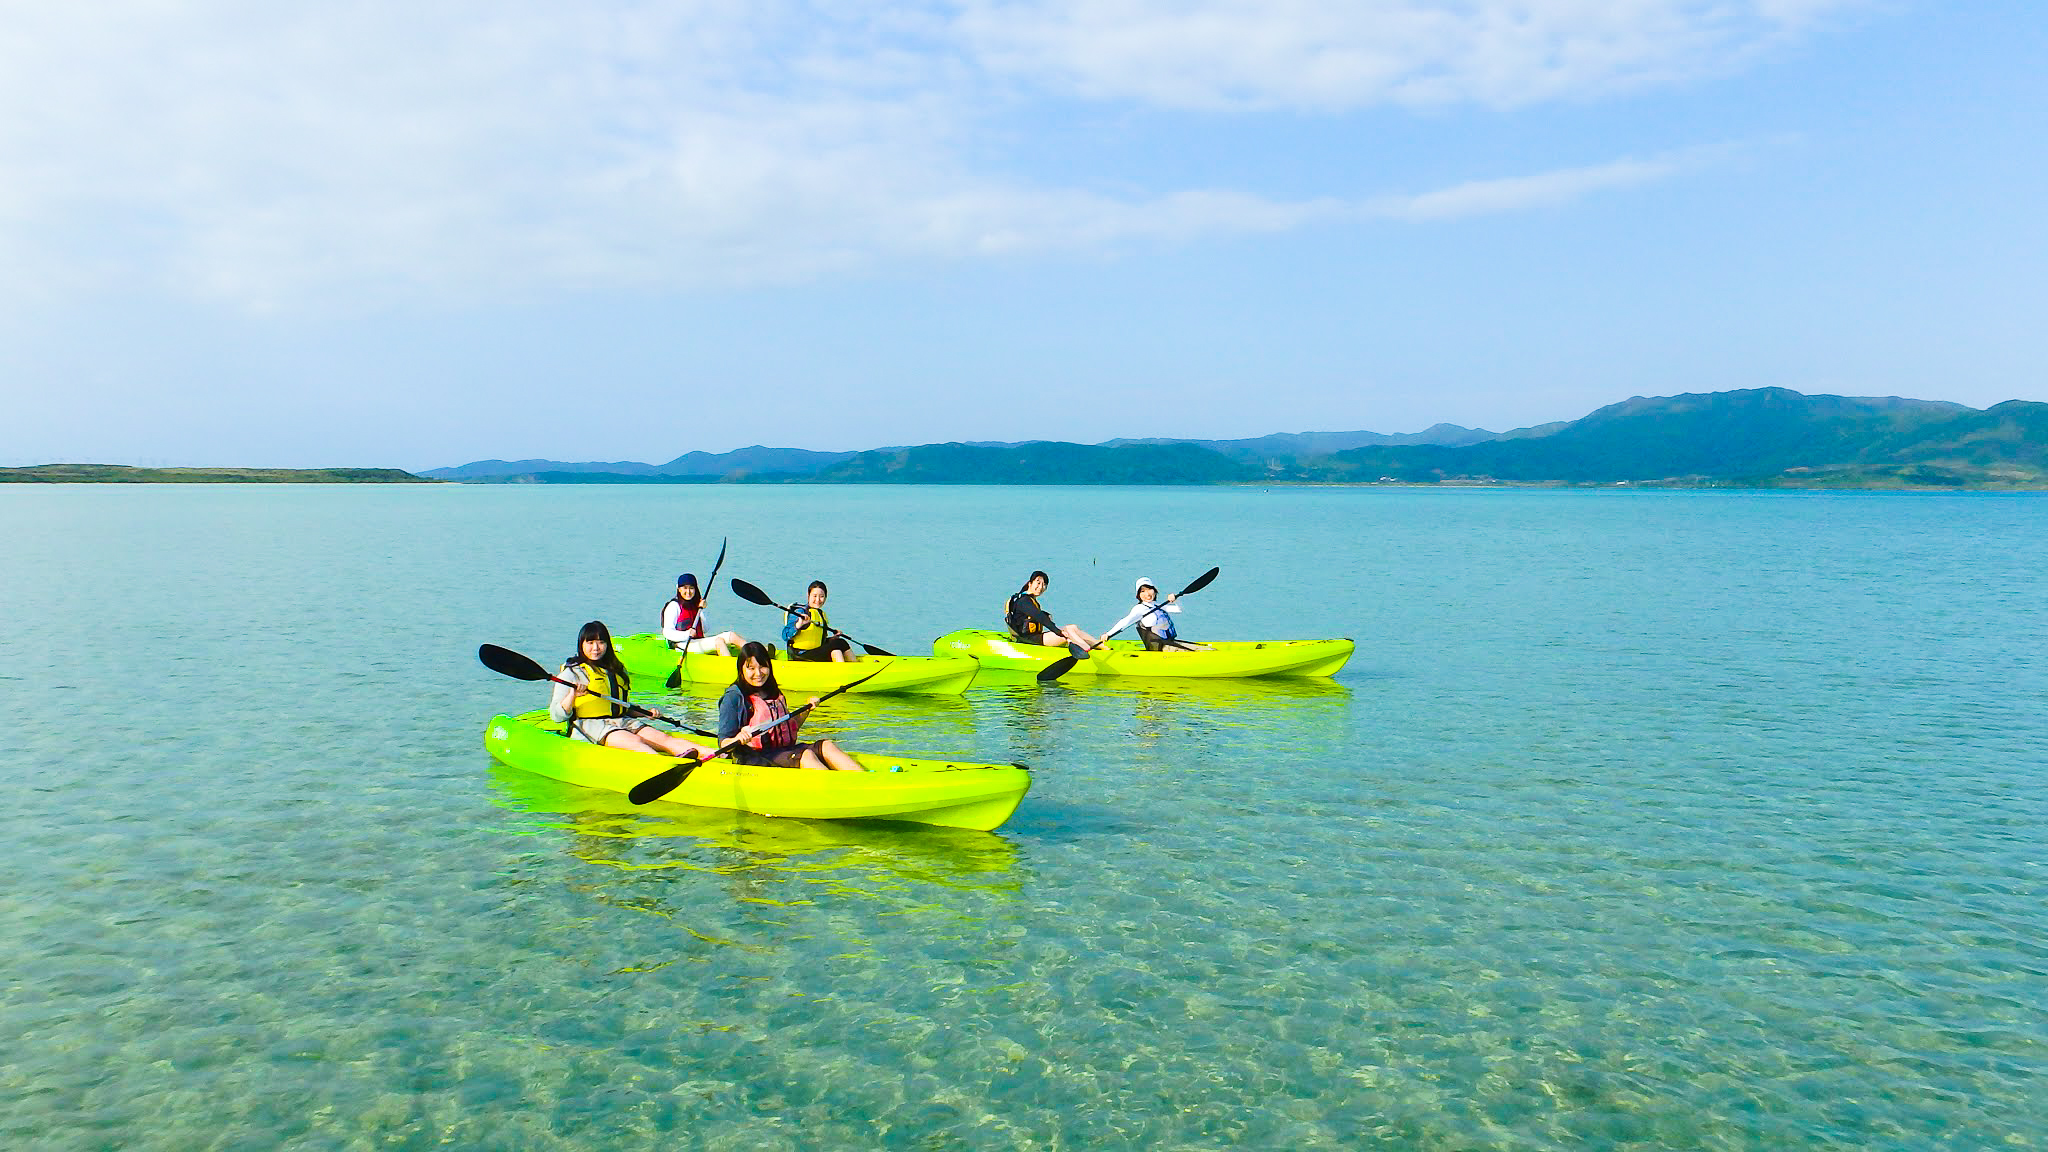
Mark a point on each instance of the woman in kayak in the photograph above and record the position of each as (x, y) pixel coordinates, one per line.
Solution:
(754, 711)
(809, 635)
(595, 673)
(1031, 624)
(682, 622)
(1155, 627)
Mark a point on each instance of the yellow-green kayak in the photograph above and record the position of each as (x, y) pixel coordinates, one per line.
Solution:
(950, 793)
(649, 658)
(1128, 657)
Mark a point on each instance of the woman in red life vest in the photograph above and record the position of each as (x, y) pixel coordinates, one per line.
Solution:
(682, 622)
(595, 673)
(753, 708)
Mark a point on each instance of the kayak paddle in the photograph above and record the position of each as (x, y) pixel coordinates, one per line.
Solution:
(675, 678)
(662, 783)
(1059, 667)
(506, 662)
(748, 592)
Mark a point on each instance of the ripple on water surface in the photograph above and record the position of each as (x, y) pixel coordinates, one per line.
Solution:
(1636, 822)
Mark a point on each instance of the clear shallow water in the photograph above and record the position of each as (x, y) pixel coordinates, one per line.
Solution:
(1640, 820)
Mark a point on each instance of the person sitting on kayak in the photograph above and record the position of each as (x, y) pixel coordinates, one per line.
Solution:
(595, 673)
(1155, 627)
(682, 622)
(753, 710)
(809, 635)
(1032, 624)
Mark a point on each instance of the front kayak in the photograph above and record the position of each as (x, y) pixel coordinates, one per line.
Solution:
(951, 794)
(649, 658)
(1129, 658)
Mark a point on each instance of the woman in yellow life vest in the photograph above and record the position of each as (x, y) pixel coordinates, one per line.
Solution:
(595, 673)
(809, 635)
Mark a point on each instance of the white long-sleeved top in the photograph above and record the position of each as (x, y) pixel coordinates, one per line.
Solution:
(1138, 612)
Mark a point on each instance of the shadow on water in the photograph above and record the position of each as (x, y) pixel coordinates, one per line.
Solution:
(761, 860)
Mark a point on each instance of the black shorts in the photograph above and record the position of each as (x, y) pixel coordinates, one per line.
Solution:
(823, 651)
(759, 757)
(1154, 642)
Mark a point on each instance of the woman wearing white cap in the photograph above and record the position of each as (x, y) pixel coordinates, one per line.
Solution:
(1155, 627)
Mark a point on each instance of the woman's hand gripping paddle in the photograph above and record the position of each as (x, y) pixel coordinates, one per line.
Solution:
(662, 783)
(1059, 667)
(506, 662)
(675, 678)
(748, 592)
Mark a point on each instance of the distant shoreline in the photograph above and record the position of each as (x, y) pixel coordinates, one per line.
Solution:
(124, 474)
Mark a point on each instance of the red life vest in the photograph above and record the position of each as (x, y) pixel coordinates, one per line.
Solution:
(767, 710)
(689, 617)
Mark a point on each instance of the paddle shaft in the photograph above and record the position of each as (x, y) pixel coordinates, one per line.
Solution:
(798, 610)
(662, 783)
(642, 709)
(675, 678)
(753, 594)
(1061, 666)
(1196, 585)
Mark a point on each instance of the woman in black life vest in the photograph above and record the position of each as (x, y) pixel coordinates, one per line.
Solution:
(1031, 624)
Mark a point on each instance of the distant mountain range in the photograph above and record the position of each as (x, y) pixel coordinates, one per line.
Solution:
(756, 461)
(723, 465)
(1760, 437)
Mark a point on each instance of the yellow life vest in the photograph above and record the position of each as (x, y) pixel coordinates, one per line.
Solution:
(590, 707)
(812, 633)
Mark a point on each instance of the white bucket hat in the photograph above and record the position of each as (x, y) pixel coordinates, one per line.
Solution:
(1146, 582)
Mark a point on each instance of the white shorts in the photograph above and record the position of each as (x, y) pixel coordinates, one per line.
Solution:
(594, 729)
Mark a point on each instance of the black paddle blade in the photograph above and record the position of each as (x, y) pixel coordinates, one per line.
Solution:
(675, 679)
(751, 594)
(1201, 581)
(661, 783)
(506, 662)
(1057, 669)
(871, 650)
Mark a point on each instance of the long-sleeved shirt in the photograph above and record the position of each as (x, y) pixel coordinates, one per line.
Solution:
(1143, 613)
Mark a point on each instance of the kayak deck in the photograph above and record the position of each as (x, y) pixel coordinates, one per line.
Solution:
(994, 649)
(649, 658)
(953, 794)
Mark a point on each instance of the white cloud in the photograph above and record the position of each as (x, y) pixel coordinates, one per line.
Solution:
(1517, 193)
(1333, 54)
(259, 152)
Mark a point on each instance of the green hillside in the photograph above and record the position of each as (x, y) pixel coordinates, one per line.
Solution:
(1042, 462)
(1751, 437)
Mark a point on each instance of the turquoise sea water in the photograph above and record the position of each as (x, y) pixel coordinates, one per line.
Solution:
(1639, 820)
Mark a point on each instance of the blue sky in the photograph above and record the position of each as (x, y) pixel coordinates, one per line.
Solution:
(394, 234)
